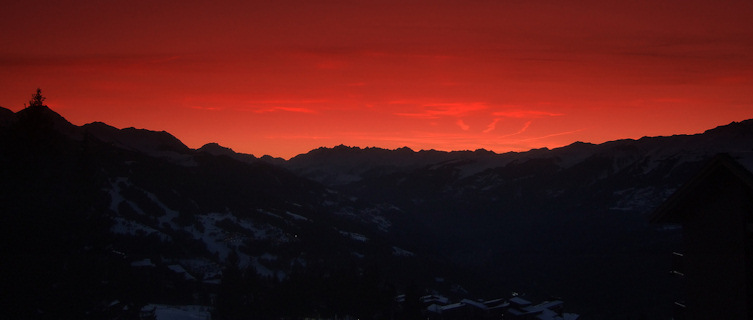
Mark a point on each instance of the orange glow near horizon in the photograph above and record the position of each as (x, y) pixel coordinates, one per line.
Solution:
(284, 77)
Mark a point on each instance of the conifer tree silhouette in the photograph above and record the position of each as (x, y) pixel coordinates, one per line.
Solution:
(37, 99)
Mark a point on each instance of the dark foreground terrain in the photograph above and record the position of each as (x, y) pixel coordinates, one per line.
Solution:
(98, 222)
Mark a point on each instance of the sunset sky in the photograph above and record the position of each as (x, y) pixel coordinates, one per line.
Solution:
(284, 77)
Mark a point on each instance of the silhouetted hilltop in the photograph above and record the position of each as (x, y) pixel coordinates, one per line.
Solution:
(218, 150)
(44, 118)
(148, 141)
(7, 116)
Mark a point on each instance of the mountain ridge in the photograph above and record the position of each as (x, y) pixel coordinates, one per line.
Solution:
(167, 141)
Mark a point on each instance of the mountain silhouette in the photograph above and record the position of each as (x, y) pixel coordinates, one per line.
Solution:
(81, 201)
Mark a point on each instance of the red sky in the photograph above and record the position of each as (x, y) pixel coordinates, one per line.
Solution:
(284, 77)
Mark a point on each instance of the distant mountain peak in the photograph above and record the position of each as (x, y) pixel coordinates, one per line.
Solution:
(215, 148)
(742, 126)
(137, 139)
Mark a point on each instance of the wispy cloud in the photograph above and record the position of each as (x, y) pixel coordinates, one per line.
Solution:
(288, 101)
(296, 106)
(286, 109)
(331, 64)
(416, 115)
(207, 108)
(525, 114)
(463, 125)
(490, 127)
(554, 135)
(438, 110)
(299, 137)
(523, 129)
(673, 100)
(87, 60)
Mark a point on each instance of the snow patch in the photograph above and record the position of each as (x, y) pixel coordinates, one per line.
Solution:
(204, 268)
(400, 252)
(268, 257)
(166, 312)
(213, 236)
(127, 227)
(170, 214)
(181, 271)
(115, 197)
(354, 236)
(143, 263)
(297, 216)
(270, 214)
